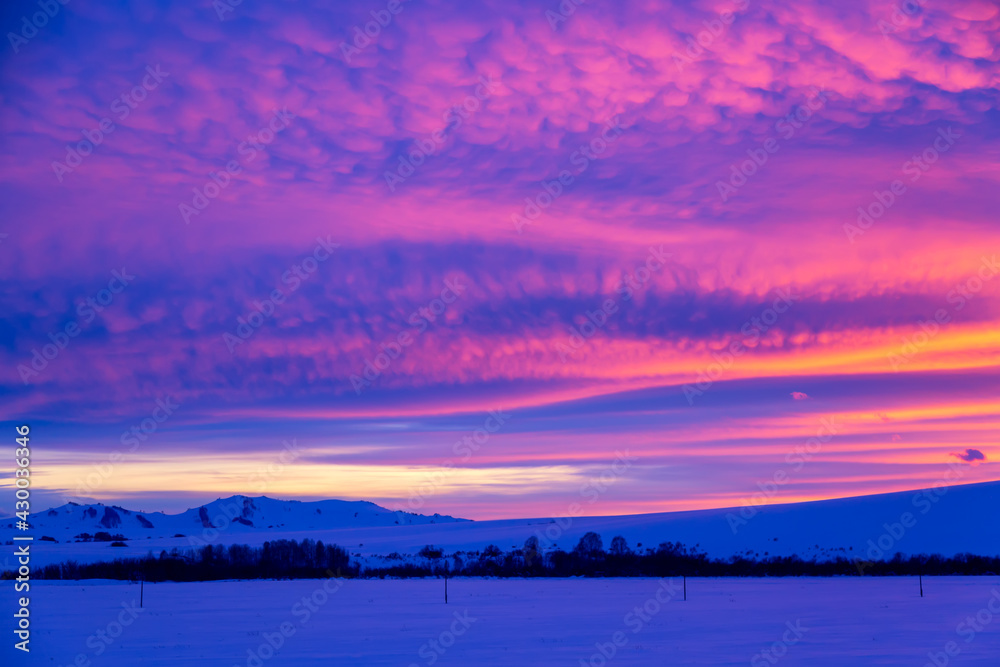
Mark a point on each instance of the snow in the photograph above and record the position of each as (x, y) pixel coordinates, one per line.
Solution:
(835, 621)
(239, 514)
(947, 521)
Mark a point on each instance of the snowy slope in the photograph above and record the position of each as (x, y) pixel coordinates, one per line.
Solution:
(958, 519)
(949, 521)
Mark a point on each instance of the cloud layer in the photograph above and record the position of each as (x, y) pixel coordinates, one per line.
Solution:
(654, 226)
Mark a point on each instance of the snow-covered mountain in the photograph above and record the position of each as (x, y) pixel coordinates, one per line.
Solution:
(237, 515)
(946, 520)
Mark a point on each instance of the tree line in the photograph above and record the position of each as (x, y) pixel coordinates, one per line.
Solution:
(288, 559)
(277, 559)
(590, 559)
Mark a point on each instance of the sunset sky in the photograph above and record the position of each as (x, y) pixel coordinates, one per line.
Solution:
(694, 234)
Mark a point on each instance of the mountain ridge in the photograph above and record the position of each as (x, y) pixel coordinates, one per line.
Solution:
(236, 514)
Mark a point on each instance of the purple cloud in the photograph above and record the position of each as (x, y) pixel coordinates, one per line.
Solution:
(970, 455)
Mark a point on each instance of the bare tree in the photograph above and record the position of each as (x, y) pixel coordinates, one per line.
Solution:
(619, 547)
(590, 545)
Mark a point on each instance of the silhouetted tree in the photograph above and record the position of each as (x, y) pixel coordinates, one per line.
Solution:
(491, 552)
(431, 551)
(619, 547)
(532, 554)
(589, 545)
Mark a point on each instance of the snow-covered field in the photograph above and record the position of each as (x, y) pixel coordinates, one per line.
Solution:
(841, 621)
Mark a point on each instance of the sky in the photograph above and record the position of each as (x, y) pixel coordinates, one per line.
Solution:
(489, 259)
